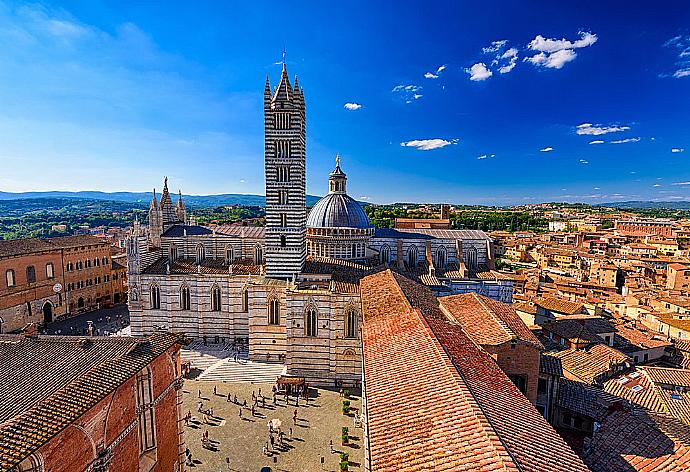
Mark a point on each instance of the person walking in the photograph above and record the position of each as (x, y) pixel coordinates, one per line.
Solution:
(240, 412)
(228, 400)
(199, 393)
(330, 446)
(294, 417)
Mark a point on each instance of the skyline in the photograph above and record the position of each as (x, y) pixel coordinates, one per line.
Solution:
(449, 105)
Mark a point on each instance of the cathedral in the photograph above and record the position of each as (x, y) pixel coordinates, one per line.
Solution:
(290, 289)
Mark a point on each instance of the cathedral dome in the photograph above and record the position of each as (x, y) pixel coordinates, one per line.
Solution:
(337, 210)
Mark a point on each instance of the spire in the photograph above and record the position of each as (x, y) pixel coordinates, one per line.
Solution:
(284, 89)
(154, 201)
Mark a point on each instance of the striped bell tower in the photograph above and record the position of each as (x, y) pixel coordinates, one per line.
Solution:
(285, 160)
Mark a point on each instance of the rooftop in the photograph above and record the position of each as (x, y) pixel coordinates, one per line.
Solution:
(50, 381)
(436, 400)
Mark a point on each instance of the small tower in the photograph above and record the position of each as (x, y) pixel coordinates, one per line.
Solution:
(337, 179)
(155, 222)
(167, 208)
(180, 209)
(285, 161)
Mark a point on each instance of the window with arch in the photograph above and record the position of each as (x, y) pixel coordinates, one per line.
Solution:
(351, 323)
(9, 278)
(283, 197)
(229, 254)
(311, 319)
(50, 270)
(245, 300)
(155, 297)
(200, 253)
(173, 252)
(258, 254)
(471, 259)
(30, 274)
(385, 254)
(274, 312)
(283, 240)
(146, 423)
(441, 257)
(412, 257)
(216, 299)
(185, 299)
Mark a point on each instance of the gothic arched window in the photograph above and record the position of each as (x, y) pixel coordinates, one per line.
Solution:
(441, 257)
(274, 312)
(216, 300)
(245, 300)
(185, 299)
(173, 252)
(229, 254)
(145, 407)
(385, 254)
(471, 260)
(155, 297)
(258, 254)
(310, 322)
(200, 253)
(412, 257)
(351, 323)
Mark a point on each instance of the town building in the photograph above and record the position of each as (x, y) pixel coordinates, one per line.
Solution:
(99, 403)
(46, 279)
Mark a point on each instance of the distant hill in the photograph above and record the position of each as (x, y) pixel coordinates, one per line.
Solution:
(647, 204)
(145, 198)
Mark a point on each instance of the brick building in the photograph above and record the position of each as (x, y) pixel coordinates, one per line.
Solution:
(112, 402)
(678, 277)
(43, 279)
(30, 270)
(661, 227)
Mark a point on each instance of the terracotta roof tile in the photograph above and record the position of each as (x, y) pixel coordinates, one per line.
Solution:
(436, 400)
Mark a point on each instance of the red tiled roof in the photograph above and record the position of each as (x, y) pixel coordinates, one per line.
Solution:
(436, 400)
(637, 441)
(487, 321)
(592, 364)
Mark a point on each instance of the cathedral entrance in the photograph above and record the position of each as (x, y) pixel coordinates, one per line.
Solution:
(47, 312)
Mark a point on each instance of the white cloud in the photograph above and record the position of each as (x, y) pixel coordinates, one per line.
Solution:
(352, 106)
(596, 141)
(626, 140)
(479, 71)
(582, 161)
(365, 198)
(555, 60)
(495, 46)
(677, 150)
(682, 45)
(555, 53)
(546, 149)
(428, 144)
(597, 130)
(511, 55)
(656, 185)
(680, 183)
(408, 92)
(435, 75)
(241, 181)
(483, 156)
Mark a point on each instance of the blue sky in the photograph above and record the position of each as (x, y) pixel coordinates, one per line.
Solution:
(464, 102)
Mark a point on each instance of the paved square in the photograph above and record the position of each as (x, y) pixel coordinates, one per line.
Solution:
(241, 440)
